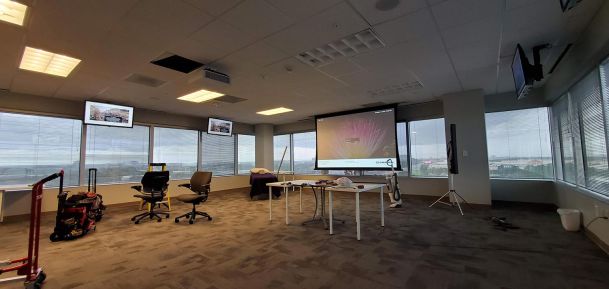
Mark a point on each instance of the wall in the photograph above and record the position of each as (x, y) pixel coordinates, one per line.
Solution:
(466, 110)
(530, 191)
(26, 103)
(18, 203)
(571, 197)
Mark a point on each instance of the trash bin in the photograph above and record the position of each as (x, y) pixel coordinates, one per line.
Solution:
(570, 218)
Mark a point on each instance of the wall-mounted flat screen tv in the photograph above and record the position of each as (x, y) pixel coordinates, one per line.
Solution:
(98, 113)
(219, 127)
(521, 71)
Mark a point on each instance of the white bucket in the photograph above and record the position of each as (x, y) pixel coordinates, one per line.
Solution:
(570, 218)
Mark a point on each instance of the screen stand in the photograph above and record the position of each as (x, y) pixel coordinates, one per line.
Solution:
(453, 196)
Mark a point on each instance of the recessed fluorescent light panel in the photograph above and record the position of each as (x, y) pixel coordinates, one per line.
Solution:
(42, 61)
(275, 111)
(200, 96)
(12, 12)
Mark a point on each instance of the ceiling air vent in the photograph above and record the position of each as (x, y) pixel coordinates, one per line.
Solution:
(178, 63)
(351, 45)
(396, 89)
(230, 99)
(144, 80)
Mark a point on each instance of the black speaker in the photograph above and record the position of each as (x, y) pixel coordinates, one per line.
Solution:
(452, 152)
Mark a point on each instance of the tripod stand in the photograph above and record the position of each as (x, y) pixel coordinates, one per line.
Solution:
(453, 196)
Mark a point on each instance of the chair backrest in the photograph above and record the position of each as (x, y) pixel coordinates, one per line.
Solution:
(199, 182)
(155, 182)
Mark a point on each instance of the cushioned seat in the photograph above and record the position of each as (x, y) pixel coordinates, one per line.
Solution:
(199, 184)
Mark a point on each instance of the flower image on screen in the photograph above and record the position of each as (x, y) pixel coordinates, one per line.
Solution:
(360, 140)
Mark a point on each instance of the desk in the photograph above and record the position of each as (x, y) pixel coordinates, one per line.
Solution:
(4, 190)
(331, 190)
(367, 187)
(285, 187)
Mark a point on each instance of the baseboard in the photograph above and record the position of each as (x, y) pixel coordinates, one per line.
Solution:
(604, 246)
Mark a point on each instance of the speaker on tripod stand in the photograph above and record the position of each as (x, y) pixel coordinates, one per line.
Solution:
(454, 199)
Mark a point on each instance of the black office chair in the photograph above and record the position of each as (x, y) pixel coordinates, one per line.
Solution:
(153, 190)
(199, 183)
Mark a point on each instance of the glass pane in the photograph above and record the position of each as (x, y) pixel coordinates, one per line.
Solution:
(519, 144)
(280, 143)
(246, 154)
(428, 148)
(33, 147)
(402, 151)
(218, 154)
(178, 149)
(304, 153)
(119, 154)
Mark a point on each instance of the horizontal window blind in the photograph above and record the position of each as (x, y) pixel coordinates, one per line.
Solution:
(246, 153)
(218, 154)
(428, 148)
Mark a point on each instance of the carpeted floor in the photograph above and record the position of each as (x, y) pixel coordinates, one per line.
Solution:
(419, 248)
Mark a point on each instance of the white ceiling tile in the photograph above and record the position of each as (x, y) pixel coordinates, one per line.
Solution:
(485, 30)
(340, 67)
(215, 41)
(250, 59)
(11, 51)
(406, 28)
(374, 16)
(475, 55)
(46, 85)
(257, 18)
(484, 78)
(214, 7)
(330, 25)
(299, 9)
(458, 12)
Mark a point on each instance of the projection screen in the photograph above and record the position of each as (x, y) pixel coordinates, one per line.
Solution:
(357, 140)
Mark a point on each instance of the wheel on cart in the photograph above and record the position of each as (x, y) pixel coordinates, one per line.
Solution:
(54, 237)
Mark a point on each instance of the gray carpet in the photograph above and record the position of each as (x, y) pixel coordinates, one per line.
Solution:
(419, 248)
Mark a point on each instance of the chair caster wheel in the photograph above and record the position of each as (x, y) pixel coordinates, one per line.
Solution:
(209, 218)
(167, 217)
(133, 219)
(137, 222)
(177, 220)
(191, 221)
(159, 220)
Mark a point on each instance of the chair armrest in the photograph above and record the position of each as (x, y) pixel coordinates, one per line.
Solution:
(137, 188)
(185, 186)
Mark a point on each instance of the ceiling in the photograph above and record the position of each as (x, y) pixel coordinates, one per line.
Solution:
(447, 46)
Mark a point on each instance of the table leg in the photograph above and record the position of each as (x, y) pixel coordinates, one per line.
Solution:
(300, 187)
(1, 206)
(270, 203)
(382, 209)
(287, 218)
(357, 219)
(331, 219)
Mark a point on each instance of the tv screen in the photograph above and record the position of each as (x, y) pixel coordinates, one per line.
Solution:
(219, 127)
(520, 72)
(361, 139)
(98, 113)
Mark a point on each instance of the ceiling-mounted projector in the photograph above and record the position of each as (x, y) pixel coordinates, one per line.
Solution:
(216, 75)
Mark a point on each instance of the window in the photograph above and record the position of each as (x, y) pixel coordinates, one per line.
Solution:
(33, 147)
(119, 154)
(218, 154)
(560, 112)
(280, 142)
(246, 153)
(591, 140)
(428, 148)
(178, 149)
(519, 144)
(304, 153)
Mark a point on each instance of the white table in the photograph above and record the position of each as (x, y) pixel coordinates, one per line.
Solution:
(4, 190)
(367, 187)
(300, 183)
(285, 186)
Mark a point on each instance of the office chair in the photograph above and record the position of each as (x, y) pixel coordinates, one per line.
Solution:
(153, 189)
(199, 183)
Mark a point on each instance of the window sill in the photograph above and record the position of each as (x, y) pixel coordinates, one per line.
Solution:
(536, 180)
(586, 192)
